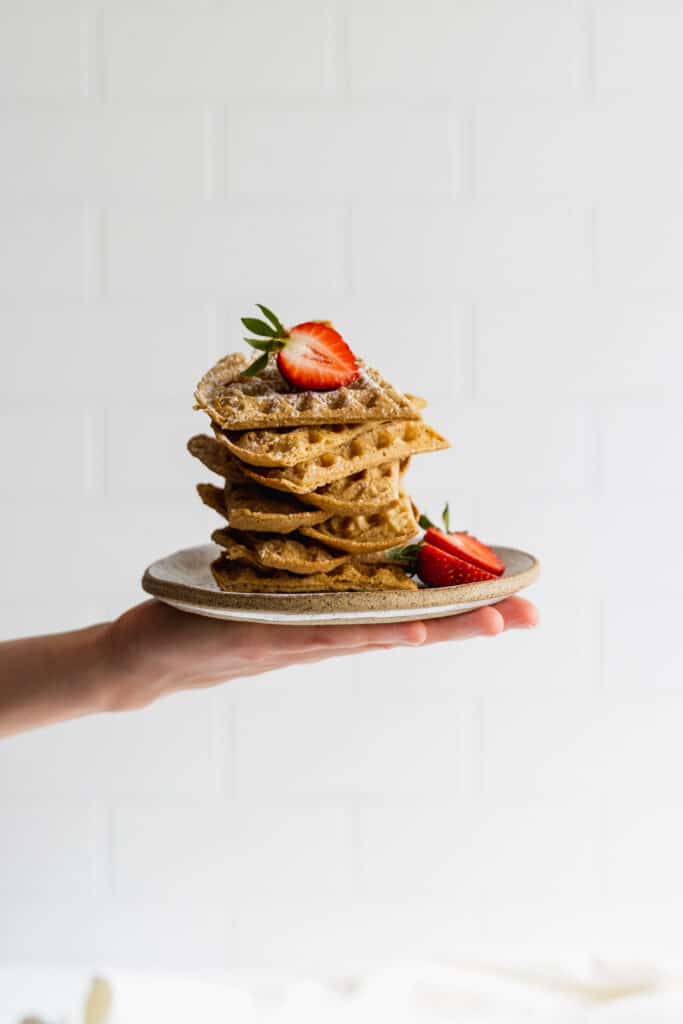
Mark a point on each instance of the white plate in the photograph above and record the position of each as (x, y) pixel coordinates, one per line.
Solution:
(184, 580)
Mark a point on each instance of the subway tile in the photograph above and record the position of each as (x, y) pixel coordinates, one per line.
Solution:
(527, 247)
(630, 38)
(642, 650)
(342, 152)
(59, 441)
(621, 346)
(112, 351)
(441, 49)
(403, 248)
(415, 855)
(653, 433)
(42, 253)
(195, 839)
(71, 153)
(293, 855)
(167, 755)
(40, 53)
(213, 249)
(211, 54)
(643, 854)
(639, 247)
(145, 450)
(541, 871)
(495, 442)
(366, 724)
(48, 848)
(535, 150)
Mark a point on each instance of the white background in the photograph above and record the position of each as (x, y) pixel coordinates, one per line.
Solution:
(487, 199)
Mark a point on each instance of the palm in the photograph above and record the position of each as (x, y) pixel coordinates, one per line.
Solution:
(164, 649)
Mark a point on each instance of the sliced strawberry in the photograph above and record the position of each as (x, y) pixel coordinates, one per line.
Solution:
(462, 545)
(438, 568)
(311, 356)
(315, 357)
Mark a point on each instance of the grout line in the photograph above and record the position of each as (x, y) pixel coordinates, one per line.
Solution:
(342, 49)
(468, 162)
(92, 49)
(93, 433)
(95, 253)
(347, 260)
(589, 55)
(214, 154)
(592, 218)
(470, 347)
(597, 412)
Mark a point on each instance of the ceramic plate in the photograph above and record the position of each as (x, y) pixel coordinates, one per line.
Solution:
(184, 580)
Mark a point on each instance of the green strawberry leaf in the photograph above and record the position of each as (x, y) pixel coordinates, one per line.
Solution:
(256, 367)
(273, 319)
(426, 523)
(407, 556)
(263, 344)
(257, 326)
(446, 517)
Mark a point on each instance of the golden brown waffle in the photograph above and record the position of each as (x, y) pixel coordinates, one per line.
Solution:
(288, 446)
(240, 578)
(215, 457)
(385, 442)
(267, 400)
(393, 525)
(213, 497)
(300, 556)
(366, 491)
(254, 508)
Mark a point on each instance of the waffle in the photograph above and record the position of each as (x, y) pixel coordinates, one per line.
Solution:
(301, 556)
(215, 457)
(214, 498)
(393, 525)
(288, 446)
(253, 508)
(351, 575)
(267, 400)
(366, 491)
(385, 442)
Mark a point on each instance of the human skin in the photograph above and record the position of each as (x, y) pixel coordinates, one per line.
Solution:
(153, 650)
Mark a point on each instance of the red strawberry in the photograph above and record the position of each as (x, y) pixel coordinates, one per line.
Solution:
(438, 568)
(464, 546)
(311, 356)
(316, 357)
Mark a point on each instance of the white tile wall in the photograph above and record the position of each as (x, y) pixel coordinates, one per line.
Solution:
(487, 199)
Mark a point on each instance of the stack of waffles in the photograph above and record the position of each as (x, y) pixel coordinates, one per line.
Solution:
(312, 482)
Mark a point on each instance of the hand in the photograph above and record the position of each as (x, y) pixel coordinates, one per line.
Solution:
(156, 650)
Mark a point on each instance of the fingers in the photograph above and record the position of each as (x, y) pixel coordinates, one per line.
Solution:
(518, 613)
(512, 613)
(285, 640)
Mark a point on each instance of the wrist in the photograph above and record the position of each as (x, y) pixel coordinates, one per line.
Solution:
(129, 678)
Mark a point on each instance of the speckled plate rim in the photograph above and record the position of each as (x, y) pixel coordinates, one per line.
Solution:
(184, 580)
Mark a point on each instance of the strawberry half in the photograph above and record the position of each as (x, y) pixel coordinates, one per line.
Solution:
(464, 546)
(445, 559)
(311, 356)
(439, 568)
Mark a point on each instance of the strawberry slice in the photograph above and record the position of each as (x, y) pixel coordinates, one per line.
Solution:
(316, 357)
(311, 356)
(439, 568)
(464, 546)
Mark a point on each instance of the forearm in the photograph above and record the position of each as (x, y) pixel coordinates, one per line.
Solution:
(47, 679)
